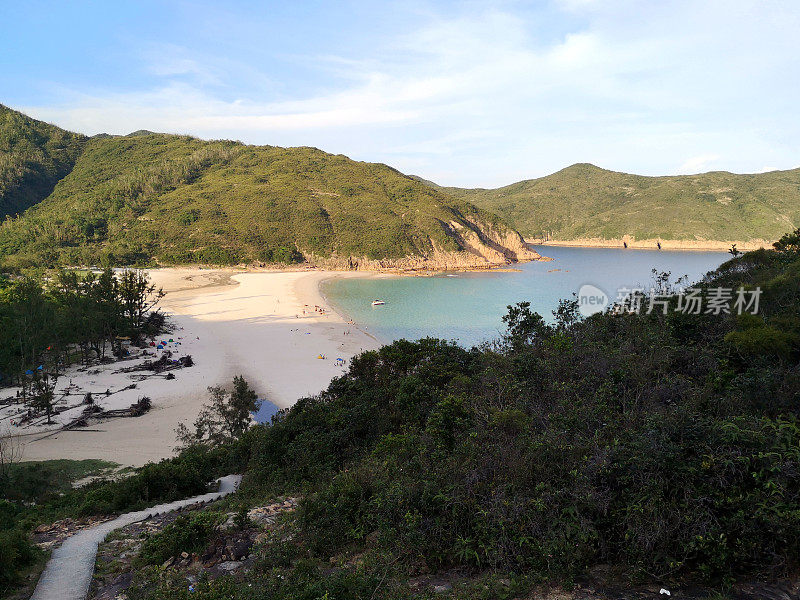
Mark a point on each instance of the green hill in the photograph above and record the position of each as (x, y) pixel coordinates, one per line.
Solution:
(176, 199)
(33, 157)
(584, 201)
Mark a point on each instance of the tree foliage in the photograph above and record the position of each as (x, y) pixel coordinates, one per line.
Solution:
(69, 318)
(224, 419)
(663, 445)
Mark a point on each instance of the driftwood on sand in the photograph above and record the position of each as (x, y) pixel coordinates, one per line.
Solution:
(165, 363)
(137, 409)
(162, 367)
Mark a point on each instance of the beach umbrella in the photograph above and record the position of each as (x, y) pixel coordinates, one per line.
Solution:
(39, 368)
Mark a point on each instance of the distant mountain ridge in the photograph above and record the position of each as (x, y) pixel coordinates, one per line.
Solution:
(34, 156)
(175, 199)
(586, 203)
(172, 199)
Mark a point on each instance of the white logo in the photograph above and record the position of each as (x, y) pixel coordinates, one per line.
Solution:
(591, 300)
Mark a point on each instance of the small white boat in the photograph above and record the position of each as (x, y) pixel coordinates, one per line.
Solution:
(378, 302)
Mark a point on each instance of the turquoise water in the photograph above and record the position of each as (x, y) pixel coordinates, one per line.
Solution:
(467, 307)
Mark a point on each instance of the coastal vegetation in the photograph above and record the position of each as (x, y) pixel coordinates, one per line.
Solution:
(655, 447)
(35, 493)
(665, 446)
(151, 198)
(224, 419)
(584, 202)
(649, 446)
(146, 198)
(47, 324)
(34, 156)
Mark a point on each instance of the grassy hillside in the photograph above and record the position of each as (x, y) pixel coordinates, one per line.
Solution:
(178, 199)
(584, 201)
(33, 157)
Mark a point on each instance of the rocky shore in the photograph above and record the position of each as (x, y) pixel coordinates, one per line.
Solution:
(483, 245)
(653, 244)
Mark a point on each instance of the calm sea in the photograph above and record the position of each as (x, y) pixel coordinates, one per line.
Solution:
(467, 307)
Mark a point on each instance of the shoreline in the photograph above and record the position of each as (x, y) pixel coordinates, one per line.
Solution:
(269, 326)
(252, 314)
(683, 245)
(342, 314)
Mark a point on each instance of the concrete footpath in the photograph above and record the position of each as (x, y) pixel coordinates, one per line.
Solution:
(68, 573)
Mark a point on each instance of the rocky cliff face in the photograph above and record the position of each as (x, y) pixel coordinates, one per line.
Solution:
(484, 245)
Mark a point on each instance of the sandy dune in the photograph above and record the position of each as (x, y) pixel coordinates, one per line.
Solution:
(248, 323)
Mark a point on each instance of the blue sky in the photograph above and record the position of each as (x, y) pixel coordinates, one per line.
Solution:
(469, 94)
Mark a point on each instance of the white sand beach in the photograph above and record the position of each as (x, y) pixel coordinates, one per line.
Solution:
(262, 325)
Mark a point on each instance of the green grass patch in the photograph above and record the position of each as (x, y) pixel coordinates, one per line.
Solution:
(33, 481)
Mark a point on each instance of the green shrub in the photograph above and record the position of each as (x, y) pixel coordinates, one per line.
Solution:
(666, 446)
(171, 479)
(761, 341)
(16, 553)
(188, 533)
(214, 255)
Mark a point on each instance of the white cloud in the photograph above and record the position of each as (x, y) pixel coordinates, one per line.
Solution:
(698, 164)
(185, 109)
(484, 97)
(169, 60)
(578, 5)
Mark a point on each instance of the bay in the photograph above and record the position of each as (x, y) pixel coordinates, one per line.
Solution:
(468, 307)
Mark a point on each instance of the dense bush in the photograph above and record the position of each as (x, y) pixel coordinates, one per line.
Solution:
(665, 445)
(189, 533)
(280, 255)
(156, 482)
(16, 553)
